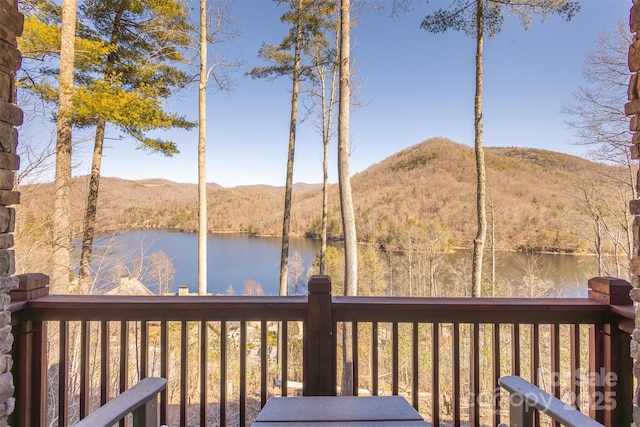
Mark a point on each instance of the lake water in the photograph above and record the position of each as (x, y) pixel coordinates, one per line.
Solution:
(234, 258)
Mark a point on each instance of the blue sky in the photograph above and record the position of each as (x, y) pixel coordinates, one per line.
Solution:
(416, 85)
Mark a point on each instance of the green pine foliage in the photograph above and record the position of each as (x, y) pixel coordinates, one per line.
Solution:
(317, 17)
(129, 53)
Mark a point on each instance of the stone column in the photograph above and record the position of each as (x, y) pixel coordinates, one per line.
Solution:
(632, 109)
(11, 22)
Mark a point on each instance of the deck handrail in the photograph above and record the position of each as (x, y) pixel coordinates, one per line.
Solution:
(350, 309)
(141, 401)
(107, 307)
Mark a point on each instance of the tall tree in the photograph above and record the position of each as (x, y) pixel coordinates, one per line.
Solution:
(145, 39)
(61, 222)
(488, 16)
(306, 20)
(295, 83)
(344, 177)
(324, 57)
(48, 72)
(124, 68)
(217, 34)
(202, 153)
(481, 182)
(284, 62)
(344, 184)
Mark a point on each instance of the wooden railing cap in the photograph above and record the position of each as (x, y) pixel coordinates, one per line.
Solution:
(610, 290)
(30, 286)
(319, 285)
(30, 281)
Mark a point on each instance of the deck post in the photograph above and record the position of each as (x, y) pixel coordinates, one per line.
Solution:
(319, 362)
(29, 355)
(610, 365)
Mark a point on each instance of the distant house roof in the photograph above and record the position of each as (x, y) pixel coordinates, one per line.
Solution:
(130, 286)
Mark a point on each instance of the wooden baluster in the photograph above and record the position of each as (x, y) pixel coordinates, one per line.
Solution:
(515, 350)
(164, 370)
(263, 363)
(555, 364)
(63, 375)
(124, 359)
(355, 358)
(223, 373)
(394, 358)
(474, 417)
(415, 389)
(243, 373)
(455, 386)
(144, 350)
(496, 373)
(284, 373)
(575, 365)
(374, 358)
(184, 374)
(435, 373)
(85, 339)
(535, 364)
(204, 377)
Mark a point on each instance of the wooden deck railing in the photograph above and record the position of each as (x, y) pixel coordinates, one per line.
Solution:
(75, 353)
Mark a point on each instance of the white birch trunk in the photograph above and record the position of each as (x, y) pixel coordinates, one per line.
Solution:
(202, 156)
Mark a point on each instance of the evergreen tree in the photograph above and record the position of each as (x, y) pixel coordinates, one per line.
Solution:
(129, 60)
(146, 38)
(307, 20)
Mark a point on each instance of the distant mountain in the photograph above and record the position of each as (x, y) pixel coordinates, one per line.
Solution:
(298, 187)
(534, 193)
(425, 187)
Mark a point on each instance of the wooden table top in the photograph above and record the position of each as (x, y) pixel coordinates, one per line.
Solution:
(338, 411)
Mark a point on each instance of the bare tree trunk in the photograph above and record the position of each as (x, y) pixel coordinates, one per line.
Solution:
(202, 154)
(91, 209)
(325, 202)
(493, 245)
(598, 245)
(288, 191)
(344, 178)
(346, 201)
(62, 207)
(327, 116)
(478, 243)
(410, 259)
(432, 278)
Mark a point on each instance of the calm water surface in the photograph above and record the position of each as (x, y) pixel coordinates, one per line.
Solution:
(232, 258)
(235, 258)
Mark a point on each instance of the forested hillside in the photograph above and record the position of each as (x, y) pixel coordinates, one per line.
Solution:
(536, 195)
(538, 200)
